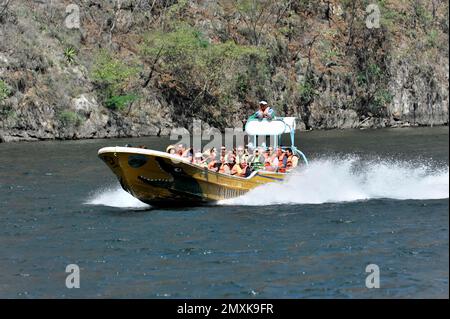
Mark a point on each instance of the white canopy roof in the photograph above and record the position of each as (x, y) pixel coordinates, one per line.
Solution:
(277, 126)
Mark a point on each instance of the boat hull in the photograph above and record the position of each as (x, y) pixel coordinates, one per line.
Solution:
(162, 179)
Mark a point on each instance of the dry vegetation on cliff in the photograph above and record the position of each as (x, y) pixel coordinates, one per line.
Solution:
(141, 67)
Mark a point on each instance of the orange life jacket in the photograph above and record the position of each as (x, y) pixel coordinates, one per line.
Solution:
(281, 168)
(280, 160)
(289, 162)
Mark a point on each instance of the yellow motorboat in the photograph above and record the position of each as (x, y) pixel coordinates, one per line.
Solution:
(163, 179)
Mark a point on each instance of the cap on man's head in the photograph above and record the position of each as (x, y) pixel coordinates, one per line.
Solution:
(263, 102)
(170, 147)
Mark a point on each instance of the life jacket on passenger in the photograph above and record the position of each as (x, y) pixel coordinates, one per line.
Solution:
(290, 161)
(281, 165)
(269, 164)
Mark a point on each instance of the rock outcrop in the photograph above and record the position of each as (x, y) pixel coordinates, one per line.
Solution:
(324, 66)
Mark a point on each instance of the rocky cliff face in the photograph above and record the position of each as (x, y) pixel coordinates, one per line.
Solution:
(321, 61)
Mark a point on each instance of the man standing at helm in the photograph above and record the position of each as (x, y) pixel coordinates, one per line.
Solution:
(265, 111)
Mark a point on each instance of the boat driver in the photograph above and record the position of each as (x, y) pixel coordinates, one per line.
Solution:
(265, 111)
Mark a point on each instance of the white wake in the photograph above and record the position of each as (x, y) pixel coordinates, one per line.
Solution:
(344, 180)
(115, 197)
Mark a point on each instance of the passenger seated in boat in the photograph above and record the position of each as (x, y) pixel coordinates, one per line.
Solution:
(211, 161)
(269, 158)
(249, 150)
(240, 155)
(180, 149)
(246, 153)
(188, 154)
(268, 153)
(256, 161)
(265, 111)
(171, 149)
(227, 166)
(292, 159)
(241, 169)
(231, 155)
(282, 160)
(223, 154)
(198, 159)
(246, 171)
(270, 164)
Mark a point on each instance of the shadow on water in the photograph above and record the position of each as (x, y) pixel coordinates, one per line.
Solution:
(136, 212)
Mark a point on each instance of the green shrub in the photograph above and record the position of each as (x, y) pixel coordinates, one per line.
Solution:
(70, 54)
(390, 17)
(120, 102)
(4, 91)
(241, 85)
(370, 75)
(306, 90)
(382, 98)
(330, 56)
(112, 76)
(422, 15)
(177, 8)
(203, 74)
(432, 38)
(372, 92)
(70, 118)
